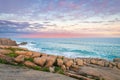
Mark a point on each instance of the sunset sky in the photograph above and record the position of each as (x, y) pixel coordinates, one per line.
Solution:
(59, 18)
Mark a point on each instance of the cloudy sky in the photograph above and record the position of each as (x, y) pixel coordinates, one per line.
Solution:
(59, 18)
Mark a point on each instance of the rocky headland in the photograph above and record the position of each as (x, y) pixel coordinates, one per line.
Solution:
(79, 68)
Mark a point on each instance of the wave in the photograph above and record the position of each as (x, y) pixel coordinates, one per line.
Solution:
(75, 47)
(30, 46)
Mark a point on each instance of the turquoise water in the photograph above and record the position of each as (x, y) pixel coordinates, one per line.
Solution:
(107, 48)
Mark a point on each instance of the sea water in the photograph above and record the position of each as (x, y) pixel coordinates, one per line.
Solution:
(106, 48)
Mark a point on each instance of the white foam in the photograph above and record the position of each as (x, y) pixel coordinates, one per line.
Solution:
(30, 46)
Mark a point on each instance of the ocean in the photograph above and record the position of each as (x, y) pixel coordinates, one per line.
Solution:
(106, 48)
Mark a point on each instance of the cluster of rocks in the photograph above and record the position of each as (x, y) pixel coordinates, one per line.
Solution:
(44, 60)
(104, 63)
(8, 42)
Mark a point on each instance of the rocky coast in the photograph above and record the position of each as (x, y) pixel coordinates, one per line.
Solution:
(78, 68)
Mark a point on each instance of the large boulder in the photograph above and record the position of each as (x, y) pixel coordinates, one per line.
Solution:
(40, 60)
(30, 64)
(59, 62)
(7, 42)
(68, 63)
(50, 61)
(36, 54)
(20, 58)
(79, 62)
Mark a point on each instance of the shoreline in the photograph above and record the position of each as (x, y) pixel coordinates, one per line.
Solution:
(83, 48)
(59, 64)
(80, 68)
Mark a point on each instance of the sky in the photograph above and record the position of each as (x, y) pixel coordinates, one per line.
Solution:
(59, 18)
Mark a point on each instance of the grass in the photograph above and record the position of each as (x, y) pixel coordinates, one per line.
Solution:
(3, 61)
(15, 49)
(45, 69)
(36, 68)
(29, 59)
(41, 69)
(12, 55)
(59, 70)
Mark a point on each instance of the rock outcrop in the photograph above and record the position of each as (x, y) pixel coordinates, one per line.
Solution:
(8, 42)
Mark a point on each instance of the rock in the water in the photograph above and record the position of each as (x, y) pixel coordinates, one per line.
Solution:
(40, 60)
(79, 62)
(59, 62)
(29, 64)
(116, 60)
(23, 43)
(19, 58)
(7, 42)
